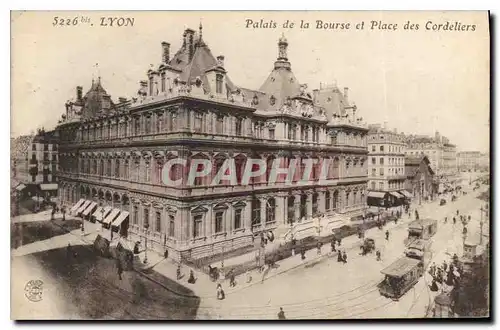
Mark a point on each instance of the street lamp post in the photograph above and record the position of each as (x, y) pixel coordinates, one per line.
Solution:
(146, 227)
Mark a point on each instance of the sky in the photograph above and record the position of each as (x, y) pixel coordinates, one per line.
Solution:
(418, 82)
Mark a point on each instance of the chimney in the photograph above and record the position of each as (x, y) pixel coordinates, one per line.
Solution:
(189, 42)
(385, 125)
(220, 60)
(79, 92)
(315, 94)
(165, 55)
(346, 95)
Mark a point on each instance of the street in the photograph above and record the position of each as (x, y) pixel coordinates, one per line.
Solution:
(328, 289)
(86, 286)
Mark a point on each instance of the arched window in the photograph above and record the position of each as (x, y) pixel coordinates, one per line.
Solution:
(117, 168)
(327, 201)
(347, 197)
(291, 209)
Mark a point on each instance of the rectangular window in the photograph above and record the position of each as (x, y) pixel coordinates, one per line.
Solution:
(219, 222)
(218, 84)
(374, 172)
(163, 81)
(381, 185)
(158, 222)
(171, 226)
(381, 160)
(146, 218)
(219, 124)
(373, 186)
(137, 126)
(373, 148)
(271, 133)
(197, 222)
(381, 148)
(198, 120)
(374, 160)
(239, 124)
(136, 215)
(147, 124)
(381, 171)
(237, 219)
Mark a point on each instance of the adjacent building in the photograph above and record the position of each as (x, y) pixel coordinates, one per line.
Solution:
(386, 166)
(112, 154)
(468, 160)
(441, 154)
(34, 163)
(420, 178)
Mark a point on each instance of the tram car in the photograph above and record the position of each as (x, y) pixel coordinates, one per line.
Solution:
(422, 229)
(400, 276)
(421, 250)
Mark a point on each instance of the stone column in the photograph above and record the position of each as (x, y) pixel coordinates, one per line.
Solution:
(263, 209)
(309, 206)
(209, 223)
(297, 208)
(228, 220)
(247, 213)
(280, 210)
(321, 202)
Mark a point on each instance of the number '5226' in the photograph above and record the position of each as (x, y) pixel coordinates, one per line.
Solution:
(65, 21)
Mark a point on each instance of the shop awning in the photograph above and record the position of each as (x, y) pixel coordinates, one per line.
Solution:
(48, 186)
(77, 205)
(101, 212)
(89, 208)
(111, 216)
(83, 207)
(376, 194)
(20, 187)
(395, 194)
(123, 215)
(406, 194)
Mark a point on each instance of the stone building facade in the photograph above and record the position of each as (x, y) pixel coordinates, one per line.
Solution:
(188, 109)
(419, 178)
(386, 163)
(442, 156)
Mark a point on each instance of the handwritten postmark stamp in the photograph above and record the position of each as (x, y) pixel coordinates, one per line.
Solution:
(33, 290)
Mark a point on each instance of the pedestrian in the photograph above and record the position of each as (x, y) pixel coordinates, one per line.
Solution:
(119, 269)
(445, 219)
(339, 256)
(433, 287)
(378, 255)
(191, 279)
(332, 244)
(232, 278)
(457, 212)
(248, 276)
(344, 257)
(339, 241)
(445, 266)
(318, 246)
(303, 254)
(179, 272)
(63, 211)
(68, 251)
(220, 293)
(469, 218)
(454, 220)
(386, 235)
(281, 314)
(165, 254)
(417, 217)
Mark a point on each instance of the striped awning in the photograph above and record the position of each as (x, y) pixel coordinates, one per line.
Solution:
(77, 205)
(111, 216)
(123, 215)
(83, 207)
(101, 213)
(395, 194)
(89, 208)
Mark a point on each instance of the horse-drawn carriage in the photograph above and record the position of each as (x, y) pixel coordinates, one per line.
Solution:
(368, 246)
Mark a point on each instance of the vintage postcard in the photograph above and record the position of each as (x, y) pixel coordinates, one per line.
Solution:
(251, 165)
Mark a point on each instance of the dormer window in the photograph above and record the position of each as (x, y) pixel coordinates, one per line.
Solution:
(163, 81)
(151, 85)
(218, 84)
(272, 100)
(255, 100)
